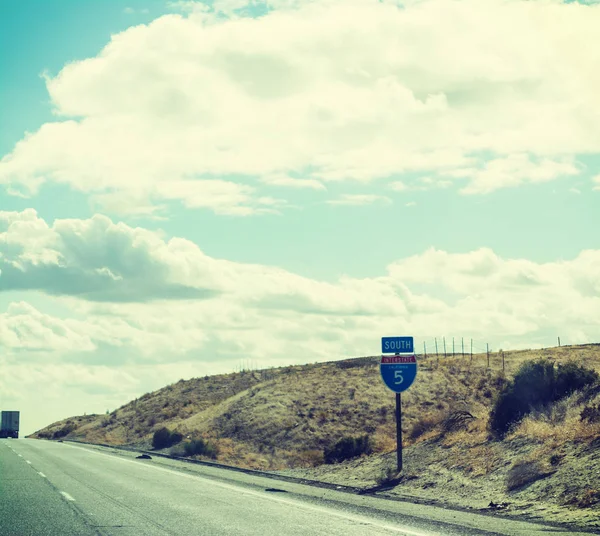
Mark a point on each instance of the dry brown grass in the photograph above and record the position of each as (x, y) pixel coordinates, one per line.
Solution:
(285, 417)
(560, 422)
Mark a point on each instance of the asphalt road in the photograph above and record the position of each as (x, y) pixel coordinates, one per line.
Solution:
(49, 488)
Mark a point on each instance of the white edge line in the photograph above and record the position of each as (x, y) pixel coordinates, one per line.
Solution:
(67, 496)
(28, 462)
(42, 474)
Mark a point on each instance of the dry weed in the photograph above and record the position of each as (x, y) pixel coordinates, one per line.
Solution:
(384, 442)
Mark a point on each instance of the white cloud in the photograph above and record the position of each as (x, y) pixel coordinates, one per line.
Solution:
(112, 275)
(224, 197)
(514, 170)
(596, 180)
(359, 199)
(287, 181)
(23, 327)
(426, 183)
(354, 90)
(411, 204)
(398, 186)
(96, 259)
(132, 319)
(421, 184)
(129, 11)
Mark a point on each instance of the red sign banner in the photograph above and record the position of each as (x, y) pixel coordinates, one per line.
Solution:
(388, 359)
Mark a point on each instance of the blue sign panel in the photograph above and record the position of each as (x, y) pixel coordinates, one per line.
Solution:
(398, 371)
(397, 345)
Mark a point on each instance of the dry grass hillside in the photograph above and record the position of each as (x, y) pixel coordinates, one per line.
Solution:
(283, 419)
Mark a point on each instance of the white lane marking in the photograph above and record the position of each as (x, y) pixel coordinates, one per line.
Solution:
(298, 504)
(19, 455)
(42, 474)
(67, 496)
(28, 462)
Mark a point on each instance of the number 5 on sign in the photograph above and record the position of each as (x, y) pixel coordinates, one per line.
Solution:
(398, 377)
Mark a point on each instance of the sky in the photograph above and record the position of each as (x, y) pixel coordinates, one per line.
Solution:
(187, 188)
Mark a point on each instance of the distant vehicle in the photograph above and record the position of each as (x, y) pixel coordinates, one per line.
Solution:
(9, 426)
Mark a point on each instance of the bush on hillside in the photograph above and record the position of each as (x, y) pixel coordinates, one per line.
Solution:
(64, 431)
(572, 377)
(199, 447)
(176, 437)
(535, 384)
(347, 448)
(591, 413)
(588, 394)
(164, 438)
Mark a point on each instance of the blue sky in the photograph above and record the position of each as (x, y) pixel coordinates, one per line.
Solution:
(301, 176)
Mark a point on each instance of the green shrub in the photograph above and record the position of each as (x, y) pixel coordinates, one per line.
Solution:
(571, 377)
(347, 448)
(176, 437)
(199, 447)
(535, 384)
(64, 431)
(177, 450)
(163, 438)
(591, 413)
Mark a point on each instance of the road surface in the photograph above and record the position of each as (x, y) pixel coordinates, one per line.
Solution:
(49, 488)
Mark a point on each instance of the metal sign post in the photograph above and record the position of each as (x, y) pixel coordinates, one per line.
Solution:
(398, 372)
(399, 431)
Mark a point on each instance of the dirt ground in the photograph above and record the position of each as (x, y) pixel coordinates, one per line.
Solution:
(433, 473)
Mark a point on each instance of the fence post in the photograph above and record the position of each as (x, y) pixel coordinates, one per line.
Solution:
(452, 346)
(445, 355)
(425, 349)
(436, 348)
(487, 345)
(559, 342)
(462, 343)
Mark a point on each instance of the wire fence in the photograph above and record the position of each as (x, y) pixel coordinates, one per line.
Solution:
(467, 348)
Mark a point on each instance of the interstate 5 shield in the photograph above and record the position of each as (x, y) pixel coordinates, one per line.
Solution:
(398, 371)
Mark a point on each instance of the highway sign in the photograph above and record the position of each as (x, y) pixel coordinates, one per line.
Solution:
(396, 345)
(398, 371)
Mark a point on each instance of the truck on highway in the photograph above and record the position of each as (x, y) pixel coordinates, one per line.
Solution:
(9, 424)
